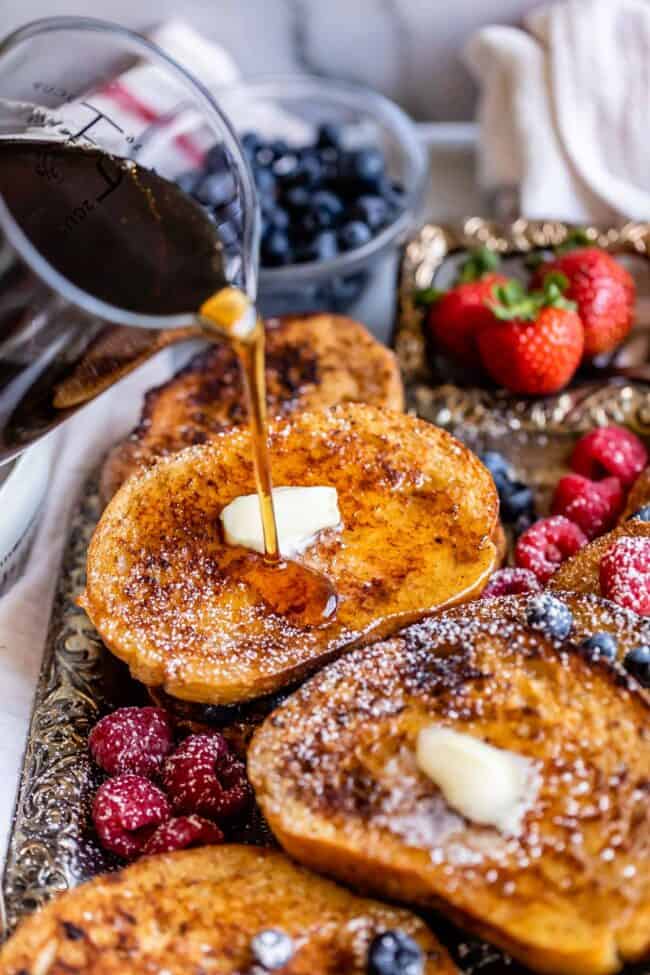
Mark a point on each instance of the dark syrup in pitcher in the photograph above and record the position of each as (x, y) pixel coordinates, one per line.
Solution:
(116, 230)
(124, 234)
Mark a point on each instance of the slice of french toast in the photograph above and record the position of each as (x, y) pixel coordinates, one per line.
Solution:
(334, 770)
(168, 596)
(312, 361)
(198, 911)
(581, 573)
(591, 614)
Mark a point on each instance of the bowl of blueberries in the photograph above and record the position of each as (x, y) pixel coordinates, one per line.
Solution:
(339, 173)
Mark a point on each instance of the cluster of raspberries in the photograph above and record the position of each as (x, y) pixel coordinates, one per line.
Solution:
(162, 795)
(587, 503)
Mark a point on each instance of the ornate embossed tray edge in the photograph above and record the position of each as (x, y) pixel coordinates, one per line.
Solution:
(479, 414)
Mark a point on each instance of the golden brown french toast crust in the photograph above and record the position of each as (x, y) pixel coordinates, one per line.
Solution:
(591, 614)
(198, 911)
(335, 774)
(165, 592)
(312, 362)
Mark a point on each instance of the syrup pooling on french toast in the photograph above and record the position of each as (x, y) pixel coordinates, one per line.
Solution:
(417, 509)
(289, 588)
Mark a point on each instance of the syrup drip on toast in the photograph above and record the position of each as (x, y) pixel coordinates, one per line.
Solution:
(289, 588)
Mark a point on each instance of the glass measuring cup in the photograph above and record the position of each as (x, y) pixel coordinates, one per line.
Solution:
(79, 82)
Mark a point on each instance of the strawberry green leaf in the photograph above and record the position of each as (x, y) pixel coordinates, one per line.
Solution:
(428, 296)
(512, 301)
(575, 238)
(480, 262)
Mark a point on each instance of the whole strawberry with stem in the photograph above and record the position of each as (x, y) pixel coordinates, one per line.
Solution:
(534, 341)
(603, 290)
(456, 316)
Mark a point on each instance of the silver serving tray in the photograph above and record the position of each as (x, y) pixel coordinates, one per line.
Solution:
(51, 846)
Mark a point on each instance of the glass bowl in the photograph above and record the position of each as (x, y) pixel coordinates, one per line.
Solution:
(359, 282)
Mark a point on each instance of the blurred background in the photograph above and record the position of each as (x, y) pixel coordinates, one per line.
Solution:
(408, 49)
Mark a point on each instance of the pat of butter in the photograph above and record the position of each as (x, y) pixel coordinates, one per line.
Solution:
(300, 514)
(487, 785)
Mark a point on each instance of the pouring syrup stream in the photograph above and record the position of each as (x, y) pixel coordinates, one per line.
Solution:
(289, 588)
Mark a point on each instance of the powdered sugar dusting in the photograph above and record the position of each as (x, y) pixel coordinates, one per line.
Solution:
(343, 747)
(625, 574)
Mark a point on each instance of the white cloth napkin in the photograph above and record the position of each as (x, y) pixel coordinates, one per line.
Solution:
(564, 110)
(82, 442)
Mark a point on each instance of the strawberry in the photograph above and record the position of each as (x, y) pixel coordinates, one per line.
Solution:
(602, 289)
(534, 342)
(456, 316)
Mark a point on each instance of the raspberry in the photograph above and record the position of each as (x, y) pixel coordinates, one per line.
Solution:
(132, 740)
(593, 506)
(507, 582)
(126, 811)
(182, 832)
(610, 451)
(546, 544)
(625, 574)
(201, 776)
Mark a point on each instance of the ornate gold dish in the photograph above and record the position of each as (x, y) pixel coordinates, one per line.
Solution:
(617, 392)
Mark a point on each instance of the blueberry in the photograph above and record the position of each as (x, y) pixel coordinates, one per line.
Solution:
(395, 953)
(285, 167)
(496, 464)
(641, 514)
(324, 211)
(250, 142)
(366, 165)
(216, 189)
(274, 217)
(371, 210)
(188, 182)
(217, 159)
(229, 234)
(637, 663)
(264, 181)
(329, 161)
(308, 173)
(276, 249)
(327, 201)
(329, 135)
(516, 498)
(263, 155)
(322, 248)
(230, 213)
(272, 949)
(523, 522)
(551, 615)
(393, 193)
(298, 199)
(601, 645)
(279, 147)
(354, 234)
